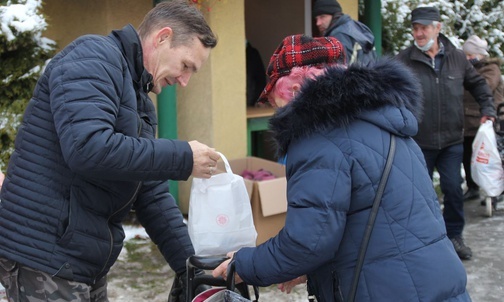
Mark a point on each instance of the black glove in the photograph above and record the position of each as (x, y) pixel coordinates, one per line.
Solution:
(178, 292)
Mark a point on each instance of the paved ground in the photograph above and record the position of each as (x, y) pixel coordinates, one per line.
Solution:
(485, 236)
(141, 274)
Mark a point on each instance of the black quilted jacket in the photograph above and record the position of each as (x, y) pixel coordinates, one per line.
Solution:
(443, 122)
(85, 155)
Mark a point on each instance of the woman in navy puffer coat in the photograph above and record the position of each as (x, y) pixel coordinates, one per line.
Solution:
(336, 134)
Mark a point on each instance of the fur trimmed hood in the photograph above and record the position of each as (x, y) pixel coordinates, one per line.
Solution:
(385, 93)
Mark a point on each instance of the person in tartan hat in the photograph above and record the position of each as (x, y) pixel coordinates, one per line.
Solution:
(334, 124)
(301, 52)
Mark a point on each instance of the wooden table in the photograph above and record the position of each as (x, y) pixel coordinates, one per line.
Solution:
(257, 120)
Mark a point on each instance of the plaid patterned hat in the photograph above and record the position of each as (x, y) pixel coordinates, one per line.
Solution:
(300, 50)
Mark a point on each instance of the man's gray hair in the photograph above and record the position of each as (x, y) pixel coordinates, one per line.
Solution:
(184, 19)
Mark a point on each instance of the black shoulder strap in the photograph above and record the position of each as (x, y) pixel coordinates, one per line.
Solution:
(371, 220)
(370, 224)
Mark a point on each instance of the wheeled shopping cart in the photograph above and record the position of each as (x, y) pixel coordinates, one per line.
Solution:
(222, 290)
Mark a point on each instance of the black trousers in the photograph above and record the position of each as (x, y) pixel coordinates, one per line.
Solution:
(466, 161)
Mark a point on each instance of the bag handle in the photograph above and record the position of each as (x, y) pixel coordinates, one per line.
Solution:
(204, 183)
(226, 163)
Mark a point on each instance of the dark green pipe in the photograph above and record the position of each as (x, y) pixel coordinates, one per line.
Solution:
(373, 19)
(167, 120)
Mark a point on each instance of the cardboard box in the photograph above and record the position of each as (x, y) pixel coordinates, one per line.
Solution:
(268, 197)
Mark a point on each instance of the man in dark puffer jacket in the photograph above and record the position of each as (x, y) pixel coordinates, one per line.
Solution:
(86, 153)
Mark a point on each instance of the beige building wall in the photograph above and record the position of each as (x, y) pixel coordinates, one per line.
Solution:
(350, 7)
(68, 20)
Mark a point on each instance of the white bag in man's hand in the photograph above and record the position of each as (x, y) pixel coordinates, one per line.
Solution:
(486, 164)
(220, 216)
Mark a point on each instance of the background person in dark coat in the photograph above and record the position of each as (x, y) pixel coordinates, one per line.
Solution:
(336, 134)
(443, 72)
(86, 154)
(256, 74)
(356, 37)
(475, 49)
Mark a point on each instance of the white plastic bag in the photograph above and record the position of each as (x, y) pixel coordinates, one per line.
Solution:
(220, 216)
(486, 165)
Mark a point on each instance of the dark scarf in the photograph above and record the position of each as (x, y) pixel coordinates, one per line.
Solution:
(131, 49)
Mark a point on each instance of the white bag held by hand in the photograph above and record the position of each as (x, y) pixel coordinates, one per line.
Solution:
(486, 164)
(220, 215)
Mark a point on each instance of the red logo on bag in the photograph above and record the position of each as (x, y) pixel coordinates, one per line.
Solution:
(482, 156)
(222, 219)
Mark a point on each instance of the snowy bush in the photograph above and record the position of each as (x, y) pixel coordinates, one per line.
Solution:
(24, 53)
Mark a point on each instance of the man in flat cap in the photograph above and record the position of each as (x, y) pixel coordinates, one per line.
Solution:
(357, 38)
(444, 72)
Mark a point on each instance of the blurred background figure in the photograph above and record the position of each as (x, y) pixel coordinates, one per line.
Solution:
(256, 74)
(357, 39)
(476, 52)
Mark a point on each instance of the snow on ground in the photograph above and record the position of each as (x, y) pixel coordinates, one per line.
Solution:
(141, 274)
(131, 232)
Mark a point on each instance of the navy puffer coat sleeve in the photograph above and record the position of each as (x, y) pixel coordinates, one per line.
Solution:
(107, 146)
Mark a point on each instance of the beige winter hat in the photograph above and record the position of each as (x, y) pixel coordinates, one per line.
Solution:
(474, 45)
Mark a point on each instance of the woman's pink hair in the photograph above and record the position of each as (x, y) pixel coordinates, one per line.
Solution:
(283, 86)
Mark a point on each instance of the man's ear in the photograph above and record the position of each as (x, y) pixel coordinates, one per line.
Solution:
(296, 87)
(164, 35)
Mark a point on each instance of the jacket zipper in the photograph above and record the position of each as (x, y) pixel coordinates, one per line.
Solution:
(439, 114)
(432, 64)
(110, 232)
(119, 210)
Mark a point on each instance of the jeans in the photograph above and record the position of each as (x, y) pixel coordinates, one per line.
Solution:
(448, 163)
(468, 140)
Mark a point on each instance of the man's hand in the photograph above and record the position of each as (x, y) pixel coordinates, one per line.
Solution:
(289, 285)
(487, 118)
(204, 160)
